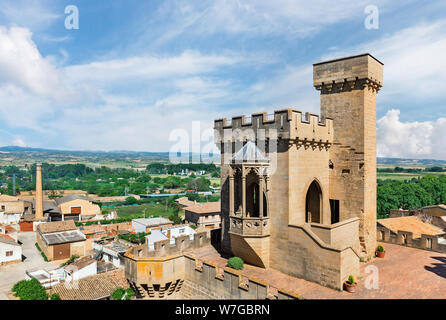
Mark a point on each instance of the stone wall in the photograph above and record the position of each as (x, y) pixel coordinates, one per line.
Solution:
(405, 238)
(205, 280)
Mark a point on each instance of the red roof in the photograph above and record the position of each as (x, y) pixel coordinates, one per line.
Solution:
(5, 236)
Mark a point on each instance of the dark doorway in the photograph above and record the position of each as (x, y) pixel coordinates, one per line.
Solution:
(313, 203)
(334, 207)
(216, 238)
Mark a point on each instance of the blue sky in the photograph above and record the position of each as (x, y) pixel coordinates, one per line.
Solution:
(136, 71)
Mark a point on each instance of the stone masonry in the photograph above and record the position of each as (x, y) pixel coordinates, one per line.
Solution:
(303, 200)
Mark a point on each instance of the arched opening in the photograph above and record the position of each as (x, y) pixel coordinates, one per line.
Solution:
(313, 203)
(265, 205)
(252, 200)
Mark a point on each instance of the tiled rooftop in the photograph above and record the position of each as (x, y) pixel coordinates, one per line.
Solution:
(205, 208)
(412, 224)
(48, 227)
(92, 287)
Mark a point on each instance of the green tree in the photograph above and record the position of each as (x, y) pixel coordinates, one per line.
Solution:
(122, 294)
(55, 296)
(29, 290)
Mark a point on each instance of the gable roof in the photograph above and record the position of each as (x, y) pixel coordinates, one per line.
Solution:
(81, 263)
(69, 198)
(152, 222)
(436, 210)
(4, 238)
(56, 226)
(5, 197)
(205, 208)
(410, 224)
(249, 153)
(93, 287)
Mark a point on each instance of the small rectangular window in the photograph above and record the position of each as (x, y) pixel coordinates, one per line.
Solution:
(9, 253)
(334, 206)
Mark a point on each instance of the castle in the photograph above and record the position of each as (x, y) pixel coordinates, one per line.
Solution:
(298, 195)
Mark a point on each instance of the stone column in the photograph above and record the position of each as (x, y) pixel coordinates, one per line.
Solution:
(261, 196)
(243, 195)
(231, 192)
(39, 193)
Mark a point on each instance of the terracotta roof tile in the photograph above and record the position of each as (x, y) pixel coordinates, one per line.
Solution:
(205, 208)
(92, 287)
(56, 226)
(82, 262)
(410, 224)
(4, 238)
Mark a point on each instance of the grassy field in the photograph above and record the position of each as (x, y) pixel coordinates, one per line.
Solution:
(149, 209)
(405, 176)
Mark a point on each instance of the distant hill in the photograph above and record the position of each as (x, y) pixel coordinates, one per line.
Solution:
(28, 154)
(411, 162)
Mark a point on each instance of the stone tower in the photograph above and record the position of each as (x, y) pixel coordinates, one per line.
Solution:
(299, 191)
(39, 193)
(348, 89)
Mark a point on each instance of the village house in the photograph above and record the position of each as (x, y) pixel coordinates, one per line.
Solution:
(61, 239)
(47, 278)
(93, 287)
(80, 268)
(111, 251)
(204, 215)
(12, 209)
(10, 249)
(169, 233)
(71, 207)
(435, 214)
(413, 231)
(148, 224)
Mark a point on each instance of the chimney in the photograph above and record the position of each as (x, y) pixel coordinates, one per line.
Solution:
(39, 193)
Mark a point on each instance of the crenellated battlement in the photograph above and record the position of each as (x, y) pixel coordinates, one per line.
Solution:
(283, 124)
(164, 248)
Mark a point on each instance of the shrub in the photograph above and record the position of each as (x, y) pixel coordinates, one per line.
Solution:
(351, 279)
(70, 260)
(175, 219)
(119, 293)
(55, 296)
(131, 200)
(236, 263)
(134, 238)
(380, 248)
(29, 290)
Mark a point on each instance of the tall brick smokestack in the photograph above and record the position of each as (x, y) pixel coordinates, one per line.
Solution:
(39, 193)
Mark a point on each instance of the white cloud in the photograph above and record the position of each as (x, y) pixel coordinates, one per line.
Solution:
(410, 139)
(414, 61)
(150, 67)
(22, 65)
(288, 17)
(131, 103)
(34, 15)
(18, 142)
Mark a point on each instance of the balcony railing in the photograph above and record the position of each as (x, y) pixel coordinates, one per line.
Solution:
(250, 226)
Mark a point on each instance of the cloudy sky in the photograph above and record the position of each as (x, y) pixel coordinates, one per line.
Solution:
(136, 71)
